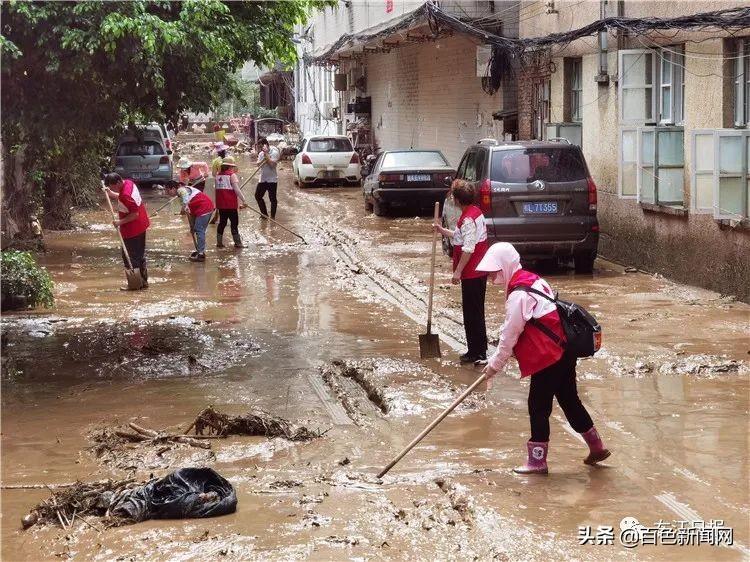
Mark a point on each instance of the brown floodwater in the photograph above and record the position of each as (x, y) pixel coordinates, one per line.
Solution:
(260, 328)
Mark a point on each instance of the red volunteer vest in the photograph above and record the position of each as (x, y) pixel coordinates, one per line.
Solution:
(470, 271)
(199, 203)
(534, 349)
(128, 195)
(226, 198)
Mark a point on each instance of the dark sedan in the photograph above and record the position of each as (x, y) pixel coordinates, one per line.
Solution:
(410, 177)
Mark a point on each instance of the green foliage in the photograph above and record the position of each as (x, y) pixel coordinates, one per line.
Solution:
(73, 72)
(22, 276)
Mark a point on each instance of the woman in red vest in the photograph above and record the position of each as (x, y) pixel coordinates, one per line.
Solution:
(199, 208)
(133, 221)
(228, 196)
(552, 370)
(469, 247)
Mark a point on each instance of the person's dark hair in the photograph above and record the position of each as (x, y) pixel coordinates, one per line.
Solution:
(261, 141)
(222, 153)
(112, 179)
(225, 168)
(463, 192)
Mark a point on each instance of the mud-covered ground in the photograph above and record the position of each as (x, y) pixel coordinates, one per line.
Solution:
(325, 336)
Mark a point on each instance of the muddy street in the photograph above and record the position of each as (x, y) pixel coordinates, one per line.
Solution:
(324, 335)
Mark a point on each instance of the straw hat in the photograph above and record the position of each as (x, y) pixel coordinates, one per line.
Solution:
(228, 161)
(184, 163)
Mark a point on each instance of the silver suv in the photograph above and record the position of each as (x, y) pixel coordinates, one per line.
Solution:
(537, 195)
(142, 156)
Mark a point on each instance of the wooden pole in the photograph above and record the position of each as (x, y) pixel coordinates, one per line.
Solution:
(430, 427)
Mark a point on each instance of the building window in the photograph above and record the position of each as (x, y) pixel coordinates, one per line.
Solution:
(636, 84)
(652, 165)
(576, 90)
(568, 131)
(742, 84)
(721, 175)
(540, 109)
(643, 72)
(672, 85)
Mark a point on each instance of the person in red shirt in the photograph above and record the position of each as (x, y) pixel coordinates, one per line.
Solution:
(228, 196)
(133, 220)
(199, 208)
(533, 333)
(469, 247)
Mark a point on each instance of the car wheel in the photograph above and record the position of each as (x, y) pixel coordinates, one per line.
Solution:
(368, 205)
(379, 208)
(584, 263)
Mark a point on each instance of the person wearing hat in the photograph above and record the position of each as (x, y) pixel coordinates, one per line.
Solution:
(221, 152)
(533, 333)
(228, 196)
(193, 173)
(199, 208)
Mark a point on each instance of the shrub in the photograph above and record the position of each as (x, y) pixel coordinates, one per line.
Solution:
(24, 282)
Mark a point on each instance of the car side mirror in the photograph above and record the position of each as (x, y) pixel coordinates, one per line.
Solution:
(447, 181)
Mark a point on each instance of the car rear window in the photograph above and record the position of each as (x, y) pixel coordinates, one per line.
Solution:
(531, 164)
(145, 148)
(413, 160)
(329, 145)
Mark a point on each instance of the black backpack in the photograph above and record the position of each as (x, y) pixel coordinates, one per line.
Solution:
(582, 332)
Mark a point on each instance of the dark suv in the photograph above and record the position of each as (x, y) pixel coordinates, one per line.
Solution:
(537, 195)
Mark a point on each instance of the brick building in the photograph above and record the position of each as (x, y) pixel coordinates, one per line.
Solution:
(414, 87)
(662, 116)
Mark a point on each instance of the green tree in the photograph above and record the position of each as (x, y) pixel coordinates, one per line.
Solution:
(75, 72)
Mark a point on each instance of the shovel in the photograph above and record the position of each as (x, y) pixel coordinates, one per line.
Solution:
(430, 427)
(429, 343)
(135, 281)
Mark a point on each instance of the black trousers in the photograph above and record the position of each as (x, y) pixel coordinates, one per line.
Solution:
(260, 191)
(472, 303)
(556, 381)
(136, 247)
(233, 217)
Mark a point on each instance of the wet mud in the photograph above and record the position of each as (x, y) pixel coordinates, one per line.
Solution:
(324, 337)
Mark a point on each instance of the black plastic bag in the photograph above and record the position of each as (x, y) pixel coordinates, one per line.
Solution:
(185, 493)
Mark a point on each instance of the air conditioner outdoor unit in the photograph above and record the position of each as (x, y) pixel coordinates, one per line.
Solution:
(327, 109)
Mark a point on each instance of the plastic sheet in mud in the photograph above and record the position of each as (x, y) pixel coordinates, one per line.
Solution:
(185, 493)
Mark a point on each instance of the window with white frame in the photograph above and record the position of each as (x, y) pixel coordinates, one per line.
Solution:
(741, 75)
(721, 175)
(652, 165)
(576, 89)
(636, 84)
(628, 163)
(643, 73)
(671, 85)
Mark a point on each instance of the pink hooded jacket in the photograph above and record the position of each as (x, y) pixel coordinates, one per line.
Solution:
(533, 349)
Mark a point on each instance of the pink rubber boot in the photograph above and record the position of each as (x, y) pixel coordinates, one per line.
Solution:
(597, 452)
(537, 459)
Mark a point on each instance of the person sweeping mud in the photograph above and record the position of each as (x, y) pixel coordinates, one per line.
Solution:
(268, 159)
(199, 208)
(194, 173)
(228, 196)
(469, 247)
(133, 221)
(530, 318)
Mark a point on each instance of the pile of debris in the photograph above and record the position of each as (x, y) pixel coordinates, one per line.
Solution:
(215, 423)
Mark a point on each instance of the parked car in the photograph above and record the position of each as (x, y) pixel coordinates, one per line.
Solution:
(537, 195)
(414, 177)
(142, 156)
(166, 136)
(326, 159)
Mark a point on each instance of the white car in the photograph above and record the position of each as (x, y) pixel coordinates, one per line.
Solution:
(326, 159)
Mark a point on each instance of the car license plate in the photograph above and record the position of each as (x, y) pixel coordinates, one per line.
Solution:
(330, 175)
(540, 208)
(141, 175)
(418, 177)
